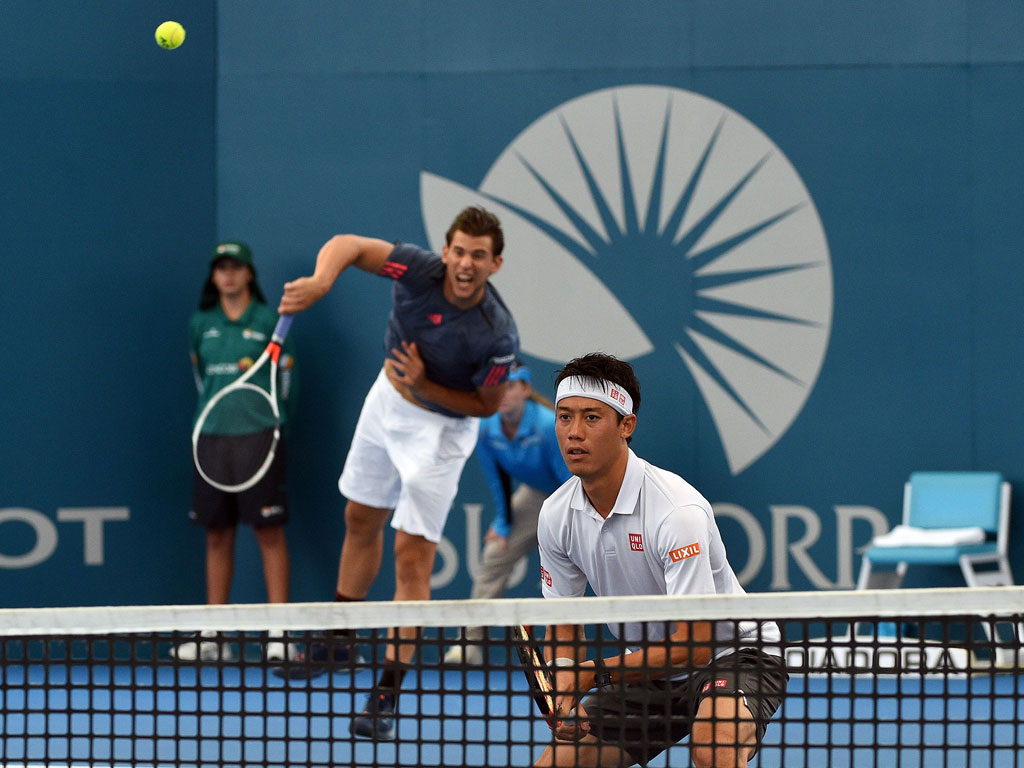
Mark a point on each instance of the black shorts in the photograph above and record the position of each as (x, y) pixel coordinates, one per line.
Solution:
(266, 503)
(645, 719)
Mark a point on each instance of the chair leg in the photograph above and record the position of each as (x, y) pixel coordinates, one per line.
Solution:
(1006, 636)
(871, 579)
(865, 573)
(1000, 576)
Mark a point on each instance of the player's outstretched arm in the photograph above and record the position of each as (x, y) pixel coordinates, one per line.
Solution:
(690, 645)
(337, 254)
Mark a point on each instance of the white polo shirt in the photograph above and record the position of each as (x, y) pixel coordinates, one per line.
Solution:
(659, 539)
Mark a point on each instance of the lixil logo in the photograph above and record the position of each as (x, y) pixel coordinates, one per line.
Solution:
(690, 550)
(662, 223)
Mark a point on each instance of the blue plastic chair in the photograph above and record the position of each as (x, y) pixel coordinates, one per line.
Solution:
(936, 500)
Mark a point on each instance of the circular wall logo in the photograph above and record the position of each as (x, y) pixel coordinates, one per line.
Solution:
(651, 220)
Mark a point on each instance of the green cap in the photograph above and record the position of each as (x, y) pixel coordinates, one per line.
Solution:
(233, 249)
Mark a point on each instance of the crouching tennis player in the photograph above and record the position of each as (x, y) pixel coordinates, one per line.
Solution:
(626, 527)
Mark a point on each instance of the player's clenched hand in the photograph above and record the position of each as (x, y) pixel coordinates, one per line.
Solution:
(300, 294)
(493, 536)
(396, 378)
(407, 366)
(574, 725)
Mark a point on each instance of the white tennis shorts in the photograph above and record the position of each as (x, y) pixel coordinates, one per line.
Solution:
(408, 459)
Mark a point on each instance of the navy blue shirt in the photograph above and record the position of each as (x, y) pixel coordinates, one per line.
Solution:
(462, 349)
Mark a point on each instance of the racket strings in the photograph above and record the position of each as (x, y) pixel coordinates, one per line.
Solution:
(237, 437)
(246, 410)
(233, 459)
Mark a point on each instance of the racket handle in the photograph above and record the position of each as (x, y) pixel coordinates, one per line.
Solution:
(284, 323)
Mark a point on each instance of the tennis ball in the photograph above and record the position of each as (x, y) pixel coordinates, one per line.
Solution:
(170, 35)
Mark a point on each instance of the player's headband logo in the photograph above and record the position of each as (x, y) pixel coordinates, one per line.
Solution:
(596, 389)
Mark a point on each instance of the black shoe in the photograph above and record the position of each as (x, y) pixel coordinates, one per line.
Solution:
(320, 656)
(377, 720)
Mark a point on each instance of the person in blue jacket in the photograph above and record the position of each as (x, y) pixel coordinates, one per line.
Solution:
(521, 462)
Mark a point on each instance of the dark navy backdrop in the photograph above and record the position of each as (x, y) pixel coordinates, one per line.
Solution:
(283, 123)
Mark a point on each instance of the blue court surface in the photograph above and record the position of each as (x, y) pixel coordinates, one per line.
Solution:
(163, 714)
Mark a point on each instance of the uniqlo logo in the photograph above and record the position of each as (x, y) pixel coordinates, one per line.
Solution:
(545, 576)
(435, 318)
(616, 395)
(717, 684)
(636, 542)
(684, 552)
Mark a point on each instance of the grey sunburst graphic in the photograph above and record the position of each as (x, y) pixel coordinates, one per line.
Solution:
(683, 230)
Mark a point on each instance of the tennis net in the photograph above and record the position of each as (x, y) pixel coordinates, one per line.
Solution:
(876, 678)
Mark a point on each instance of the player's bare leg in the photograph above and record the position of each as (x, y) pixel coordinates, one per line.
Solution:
(274, 550)
(723, 734)
(220, 563)
(587, 751)
(414, 562)
(362, 549)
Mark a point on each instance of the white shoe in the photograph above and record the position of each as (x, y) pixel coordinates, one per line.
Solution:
(277, 650)
(203, 650)
(472, 655)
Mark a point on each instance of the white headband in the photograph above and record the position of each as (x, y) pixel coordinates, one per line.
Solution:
(600, 389)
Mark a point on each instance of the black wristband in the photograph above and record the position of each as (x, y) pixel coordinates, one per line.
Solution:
(602, 677)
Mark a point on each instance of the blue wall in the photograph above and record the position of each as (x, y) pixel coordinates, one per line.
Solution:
(901, 121)
(108, 200)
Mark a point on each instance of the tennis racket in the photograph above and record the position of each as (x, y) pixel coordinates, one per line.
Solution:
(236, 435)
(537, 673)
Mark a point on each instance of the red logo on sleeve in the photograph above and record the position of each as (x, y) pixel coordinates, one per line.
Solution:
(545, 576)
(435, 318)
(684, 552)
(393, 269)
(493, 379)
(717, 683)
(636, 542)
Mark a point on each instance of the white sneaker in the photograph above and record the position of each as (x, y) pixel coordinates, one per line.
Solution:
(472, 655)
(203, 650)
(277, 650)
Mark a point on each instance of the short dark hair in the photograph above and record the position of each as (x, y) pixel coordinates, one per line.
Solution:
(597, 367)
(477, 222)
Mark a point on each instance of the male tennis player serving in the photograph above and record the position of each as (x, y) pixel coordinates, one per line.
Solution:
(449, 343)
(629, 528)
